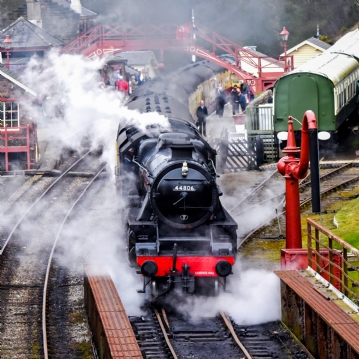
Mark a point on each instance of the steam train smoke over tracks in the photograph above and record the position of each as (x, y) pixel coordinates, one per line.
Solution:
(24, 262)
(167, 334)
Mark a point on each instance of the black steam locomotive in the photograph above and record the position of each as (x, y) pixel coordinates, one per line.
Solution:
(179, 235)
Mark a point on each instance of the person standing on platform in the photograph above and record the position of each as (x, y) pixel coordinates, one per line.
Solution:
(234, 97)
(244, 90)
(122, 85)
(138, 79)
(220, 102)
(242, 101)
(133, 84)
(250, 95)
(202, 114)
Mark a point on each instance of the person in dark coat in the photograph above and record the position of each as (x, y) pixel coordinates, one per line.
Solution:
(202, 114)
(220, 102)
(250, 95)
(244, 88)
(234, 100)
(242, 100)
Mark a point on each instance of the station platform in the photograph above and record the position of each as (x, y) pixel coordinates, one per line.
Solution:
(111, 328)
(323, 319)
(215, 124)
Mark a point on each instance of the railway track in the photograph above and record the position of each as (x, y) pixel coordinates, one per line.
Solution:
(49, 265)
(331, 181)
(25, 264)
(162, 336)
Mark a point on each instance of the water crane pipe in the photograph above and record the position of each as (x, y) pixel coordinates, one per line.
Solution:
(293, 169)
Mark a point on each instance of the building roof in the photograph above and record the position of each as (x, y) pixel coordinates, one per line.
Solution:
(130, 71)
(313, 42)
(84, 11)
(137, 57)
(332, 65)
(87, 13)
(319, 43)
(11, 76)
(25, 34)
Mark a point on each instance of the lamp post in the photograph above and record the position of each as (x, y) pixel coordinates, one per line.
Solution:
(284, 35)
(7, 46)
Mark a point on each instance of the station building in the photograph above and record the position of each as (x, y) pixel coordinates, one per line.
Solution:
(306, 50)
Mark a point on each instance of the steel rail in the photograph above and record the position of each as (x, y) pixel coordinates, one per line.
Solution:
(333, 172)
(330, 189)
(44, 329)
(165, 334)
(307, 200)
(302, 184)
(37, 200)
(254, 191)
(234, 335)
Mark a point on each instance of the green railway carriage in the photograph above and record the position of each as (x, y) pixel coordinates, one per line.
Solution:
(327, 85)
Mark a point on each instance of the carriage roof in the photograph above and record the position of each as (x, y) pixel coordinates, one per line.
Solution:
(332, 65)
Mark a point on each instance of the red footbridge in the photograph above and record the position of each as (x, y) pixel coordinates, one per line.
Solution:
(257, 70)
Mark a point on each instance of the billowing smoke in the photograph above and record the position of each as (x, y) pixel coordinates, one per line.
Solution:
(252, 297)
(74, 103)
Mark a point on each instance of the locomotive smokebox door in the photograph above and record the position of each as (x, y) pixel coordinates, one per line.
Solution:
(175, 194)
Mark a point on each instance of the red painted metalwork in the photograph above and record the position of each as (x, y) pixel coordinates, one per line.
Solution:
(22, 139)
(103, 40)
(293, 170)
(297, 259)
(199, 266)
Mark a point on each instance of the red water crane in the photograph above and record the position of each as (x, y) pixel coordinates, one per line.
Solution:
(293, 169)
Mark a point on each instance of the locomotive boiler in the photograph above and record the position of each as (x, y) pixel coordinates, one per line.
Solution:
(178, 233)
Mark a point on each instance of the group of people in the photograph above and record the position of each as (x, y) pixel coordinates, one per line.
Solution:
(128, 87)
(239, 97)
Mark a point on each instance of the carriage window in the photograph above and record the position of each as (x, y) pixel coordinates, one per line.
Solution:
(345, 94)
(9, 114)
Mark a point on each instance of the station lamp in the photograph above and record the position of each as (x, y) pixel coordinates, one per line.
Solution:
(284, 35)
(7, 46)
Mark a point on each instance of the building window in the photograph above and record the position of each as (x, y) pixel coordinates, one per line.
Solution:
(9, 114)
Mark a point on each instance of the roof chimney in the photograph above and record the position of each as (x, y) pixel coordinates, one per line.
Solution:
(318, 35)
(76, 6)
(34, 12)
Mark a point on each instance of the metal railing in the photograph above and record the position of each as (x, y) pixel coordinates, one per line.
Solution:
(260, 119)
(326, 242)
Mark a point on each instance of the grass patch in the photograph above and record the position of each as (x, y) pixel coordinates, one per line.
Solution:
(348, 219)
(76, 318)
(83, 350)
(259, 249)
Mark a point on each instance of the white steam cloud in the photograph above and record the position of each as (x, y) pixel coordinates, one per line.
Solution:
(74, 103)
(77, 105)
(253, 297)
